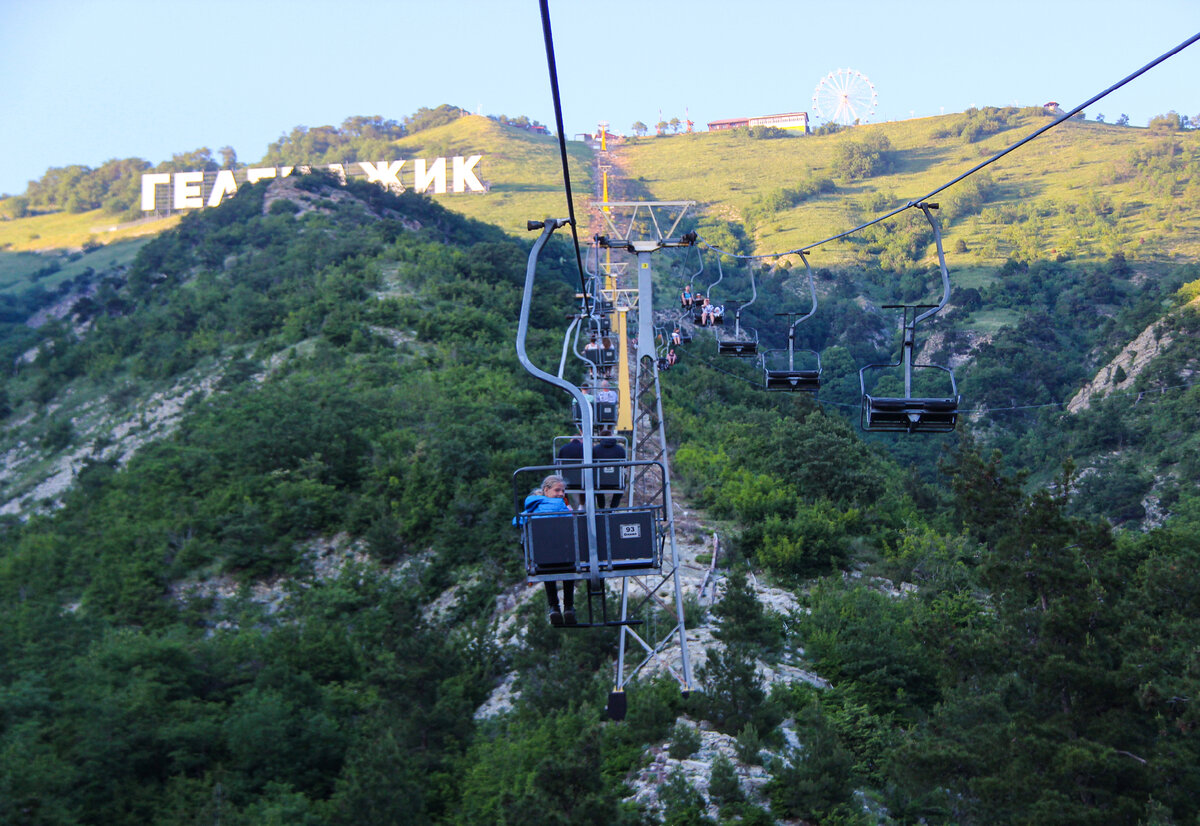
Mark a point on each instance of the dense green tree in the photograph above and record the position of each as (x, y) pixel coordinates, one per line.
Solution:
(863, 158)
(815, 783)
(733, 693)
(743, 619)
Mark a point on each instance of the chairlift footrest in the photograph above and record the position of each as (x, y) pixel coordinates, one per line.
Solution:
(604, 624)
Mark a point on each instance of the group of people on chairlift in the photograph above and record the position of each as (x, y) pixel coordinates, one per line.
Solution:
(603, 393)
(592, 351)
(710, 313)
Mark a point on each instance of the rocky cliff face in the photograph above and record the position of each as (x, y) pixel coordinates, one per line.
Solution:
(1120, 373)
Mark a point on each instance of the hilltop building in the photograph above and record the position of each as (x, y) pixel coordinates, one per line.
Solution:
(787, 120)
(729, 123)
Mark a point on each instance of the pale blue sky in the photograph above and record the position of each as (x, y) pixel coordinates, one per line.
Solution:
(82, 81)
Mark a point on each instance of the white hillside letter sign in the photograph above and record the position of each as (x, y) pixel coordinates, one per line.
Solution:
(149, 182)
(463, 176)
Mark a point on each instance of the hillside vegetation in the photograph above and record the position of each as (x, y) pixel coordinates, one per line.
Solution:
(1084, 189)
(522, 170)
(57, 231)
(257, 564)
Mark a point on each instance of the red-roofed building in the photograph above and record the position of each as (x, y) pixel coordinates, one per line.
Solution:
(728, 123)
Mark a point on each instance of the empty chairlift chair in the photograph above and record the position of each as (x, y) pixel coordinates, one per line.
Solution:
(781, 372)
(741, 341)
(913, 413)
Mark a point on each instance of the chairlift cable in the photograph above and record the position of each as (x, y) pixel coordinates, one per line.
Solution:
(562, 145)
(1158, 390)
(917, 201)
(989, 411)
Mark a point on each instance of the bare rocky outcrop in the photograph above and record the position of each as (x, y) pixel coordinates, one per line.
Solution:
(696, 768)
(966, 342)
(307, 200)
(1132, 360)
(41, 481)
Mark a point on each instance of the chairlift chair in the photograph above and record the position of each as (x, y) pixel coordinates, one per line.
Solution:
(609, 474)
(909, 413)
(685, 332)
(629, 540)
(602, 412)
(695, 312)
(790, 378)
(601, 358)
(689, 280)
(744, 341)
(595, 352)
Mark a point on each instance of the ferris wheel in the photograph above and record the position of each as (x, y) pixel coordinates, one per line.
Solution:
(845, 97)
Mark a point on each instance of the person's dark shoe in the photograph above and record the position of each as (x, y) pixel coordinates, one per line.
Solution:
(569, 616)
(555, 616)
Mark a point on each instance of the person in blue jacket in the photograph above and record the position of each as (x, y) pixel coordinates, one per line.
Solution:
(551, 498)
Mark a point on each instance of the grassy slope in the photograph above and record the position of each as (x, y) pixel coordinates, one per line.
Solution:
(523, 170)
(727, 171)
(28, 245)
(16, 268)
(64, 230)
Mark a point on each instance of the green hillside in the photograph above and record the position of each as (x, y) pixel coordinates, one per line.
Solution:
(1083, 189)
(65, 230)
(523, 171)
(257, 563)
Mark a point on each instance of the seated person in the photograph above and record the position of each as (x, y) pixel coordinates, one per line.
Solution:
(672, 358)
(676, 337)
(717, 313)
(551, 499)
(573, 449)
(572, 453)
(606, 393)
(686, 298)
(608, 449)
(706, 316)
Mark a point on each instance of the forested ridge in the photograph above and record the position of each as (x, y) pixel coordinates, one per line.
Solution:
(356, 415)
(115, 186)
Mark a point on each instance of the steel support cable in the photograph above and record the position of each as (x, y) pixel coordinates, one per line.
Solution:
(1113, 395)
(562, 146)
(988, 411)
(916, 201)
